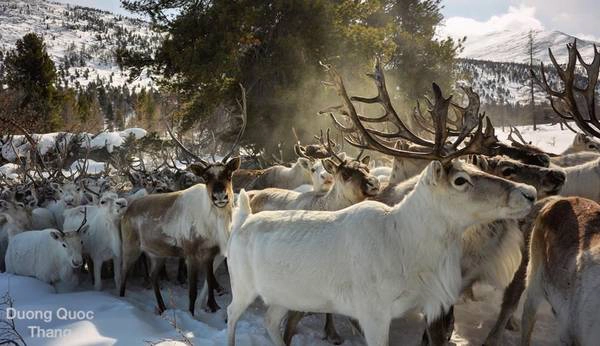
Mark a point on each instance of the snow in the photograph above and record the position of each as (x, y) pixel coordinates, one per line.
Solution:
(93, 167)
(132, 320)
(47, 142)
(9, 170)
(548, 137)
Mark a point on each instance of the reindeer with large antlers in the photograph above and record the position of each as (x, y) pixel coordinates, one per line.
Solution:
(490, 251)
(562, 263)
(370, 261)
(192, 223)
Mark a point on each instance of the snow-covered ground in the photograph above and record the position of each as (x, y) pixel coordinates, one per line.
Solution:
(549, 138)
(133, 321)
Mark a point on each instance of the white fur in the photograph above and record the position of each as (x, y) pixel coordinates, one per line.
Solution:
(583, 181)
(102, 241)
(39, 255)
(369, 261)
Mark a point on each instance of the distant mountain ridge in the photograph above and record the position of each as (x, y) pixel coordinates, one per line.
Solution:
(513, 46)
(80, 40)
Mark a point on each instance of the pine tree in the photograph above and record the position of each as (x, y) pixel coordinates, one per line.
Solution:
(30, 71)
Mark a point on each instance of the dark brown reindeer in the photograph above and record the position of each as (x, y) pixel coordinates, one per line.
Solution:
(192, 223)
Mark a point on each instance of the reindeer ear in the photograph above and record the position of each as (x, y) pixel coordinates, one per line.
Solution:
(197, 168)
(329, 166)
(580, 138)
(233, 164)
(434, 173)
(365, 160)
(56, 235)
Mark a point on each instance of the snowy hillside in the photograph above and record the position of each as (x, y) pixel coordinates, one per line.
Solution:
(497, 64)
(81, 41)
(513, 46)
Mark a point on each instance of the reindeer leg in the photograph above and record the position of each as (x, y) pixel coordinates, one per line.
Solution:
(211, 281)
(439, 331)
(192, 275)
(155, 269)
(510, 299)
(181, 272)
(291, 325)
(330, 333)
(210, 276)
(128, 261)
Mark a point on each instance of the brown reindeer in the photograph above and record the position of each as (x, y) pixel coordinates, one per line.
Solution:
(193, 224)
(564, 269)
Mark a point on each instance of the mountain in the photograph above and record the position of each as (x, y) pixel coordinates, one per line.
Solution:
(80, 40)
(513, 46)
(496, 65)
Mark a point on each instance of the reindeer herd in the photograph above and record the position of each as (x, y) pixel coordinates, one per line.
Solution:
(448, 207)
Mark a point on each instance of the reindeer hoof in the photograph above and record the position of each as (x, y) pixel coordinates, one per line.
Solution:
(334, 339)
(212, 308)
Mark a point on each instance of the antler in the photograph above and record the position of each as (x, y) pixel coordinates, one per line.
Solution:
(568, 107)
(84, 220)
(198, 159)
(329, 147)
(313, 151)
(380, 141)
(242, 129)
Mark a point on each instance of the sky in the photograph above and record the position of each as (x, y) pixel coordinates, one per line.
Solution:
(475, 17)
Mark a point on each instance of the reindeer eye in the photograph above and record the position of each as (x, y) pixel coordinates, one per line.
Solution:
(460, 181)
(313, 170)
(508, 171)
(82, 242)
(345, 175)
(65, 246)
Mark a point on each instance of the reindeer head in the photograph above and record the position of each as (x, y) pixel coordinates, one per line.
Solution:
(547, 181)
(459, 187)
(352, 177)
(71, 242)
(321, 178)
(581, 142)
(217, 176)
(70, 193)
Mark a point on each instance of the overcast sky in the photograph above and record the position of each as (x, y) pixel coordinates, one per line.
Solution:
(473, 17)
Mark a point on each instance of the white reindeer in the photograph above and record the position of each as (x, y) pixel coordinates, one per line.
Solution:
(102, 241)
(49, 255)
(276, 176)
(583, 181)
(408, 259)
(352, 184)
(321, 179)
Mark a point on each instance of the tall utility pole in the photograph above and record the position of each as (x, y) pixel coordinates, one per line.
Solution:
(531, 38)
